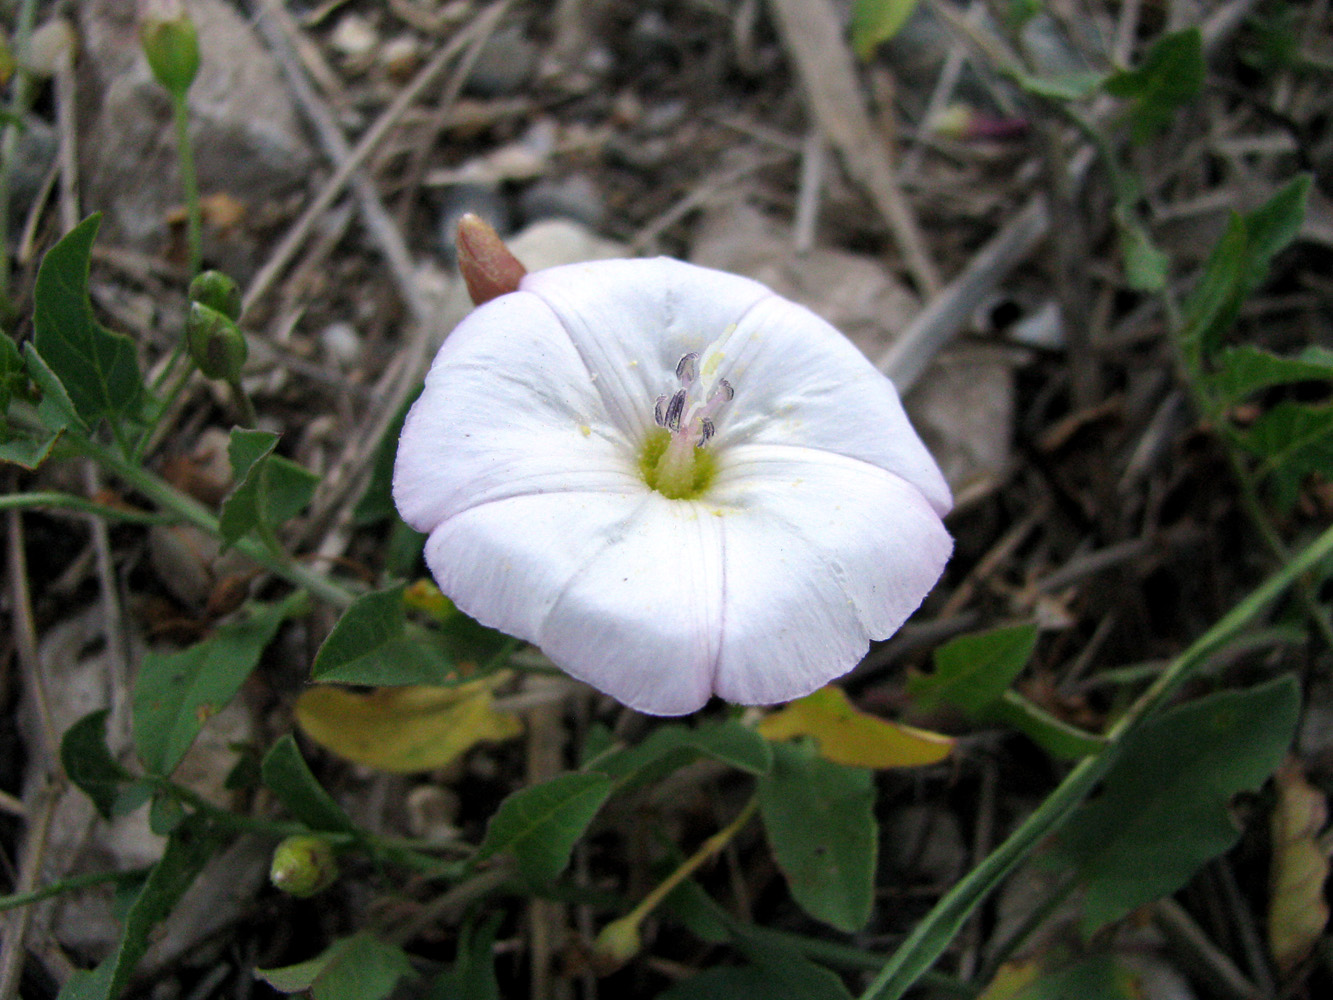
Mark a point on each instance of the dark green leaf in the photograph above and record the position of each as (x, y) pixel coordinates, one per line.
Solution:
(1162, 811)
(175, 693)
(1170, 75)
(1094, 978)
(1238, 265)
(98, 368)
(372, 644)
(1053, 735)
(165, 814)
(360, 967)
(1146, 267)
(187, 850)
(876, 21)
(540, 824)
(820, 822)
(974, 670)
(791, 974)
(13, 377)
(56, 410)
(1247, 369)
(89, 764)
(26, 449)
(377, 502)
(1294, 440)
(672, 746)
(269, 489)
(473, 974)
(285, 774)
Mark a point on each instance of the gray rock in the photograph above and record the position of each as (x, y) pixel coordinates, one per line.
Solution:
(34, 155)
(574, 197)
(504, 65)
(247, 138)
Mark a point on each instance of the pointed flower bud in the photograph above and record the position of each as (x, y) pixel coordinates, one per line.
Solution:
(217, 291)
(216, 343)
(303, 866)
(170, 42)
(488, 268)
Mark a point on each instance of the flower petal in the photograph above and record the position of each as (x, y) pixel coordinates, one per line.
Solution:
(633, 320)
(799, 381)
(624, 592)
(508, 409)
(822, 554)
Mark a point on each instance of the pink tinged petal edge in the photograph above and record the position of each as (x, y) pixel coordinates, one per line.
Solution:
(632, 320)
(623, 592)
(822, 555)
(800, 382)
(507, 409)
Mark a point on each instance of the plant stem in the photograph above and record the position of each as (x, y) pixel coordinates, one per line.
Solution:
(185, 154)
(932, 935)
(190, 510)
(71, 884)
(19, 103)
(68, 501)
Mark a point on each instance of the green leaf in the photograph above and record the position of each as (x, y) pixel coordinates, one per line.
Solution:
(98, 368)
(1247, 369)
(1294, 440)
(1146, 266)
(175, 693)
(285, 774)
(360, 967)
(1162, 811)
(540, 824)
(1098, 977)
(372, 645)
(473, 974)
(672, 746)
(56, 410)
(187, 851)
(791, 974)
(26, 449)
(1054, 735)
(270, 489)
(820, 822)
(973, 671)
(89, 764)
(1074, 86)
(12, 375)
(876, 21)
(1170, 75)
(1238, 265)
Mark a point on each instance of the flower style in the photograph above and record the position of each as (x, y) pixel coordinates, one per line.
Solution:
(673, 481)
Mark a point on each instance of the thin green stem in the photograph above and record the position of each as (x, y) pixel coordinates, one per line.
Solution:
(68, 501)
(932, 935)
(190, 510)
(193, 209)
(242, 400)
(71, 884)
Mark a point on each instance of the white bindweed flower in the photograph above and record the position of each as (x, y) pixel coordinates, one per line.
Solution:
(674, 482)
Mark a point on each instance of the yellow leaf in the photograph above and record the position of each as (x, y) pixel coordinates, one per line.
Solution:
(404, 729)
(847, 735)
(1297, 912)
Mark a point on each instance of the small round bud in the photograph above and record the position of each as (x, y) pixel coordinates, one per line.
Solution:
(216, 343)
(617, 944)
(217, 291)
(303, 866)
(170, 42)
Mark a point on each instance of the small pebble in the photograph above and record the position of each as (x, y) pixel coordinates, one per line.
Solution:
(504, 65)
(574, 197)
(341, 342)
(400, 57)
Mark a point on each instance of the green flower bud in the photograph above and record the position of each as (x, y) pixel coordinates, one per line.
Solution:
(303, 866)
(216, 343)
(217, 291)
(170, 42)
(617, 944)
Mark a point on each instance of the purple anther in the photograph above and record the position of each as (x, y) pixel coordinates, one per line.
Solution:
(705, 431)
(687, 368)
(660, 410)
(674, 409)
